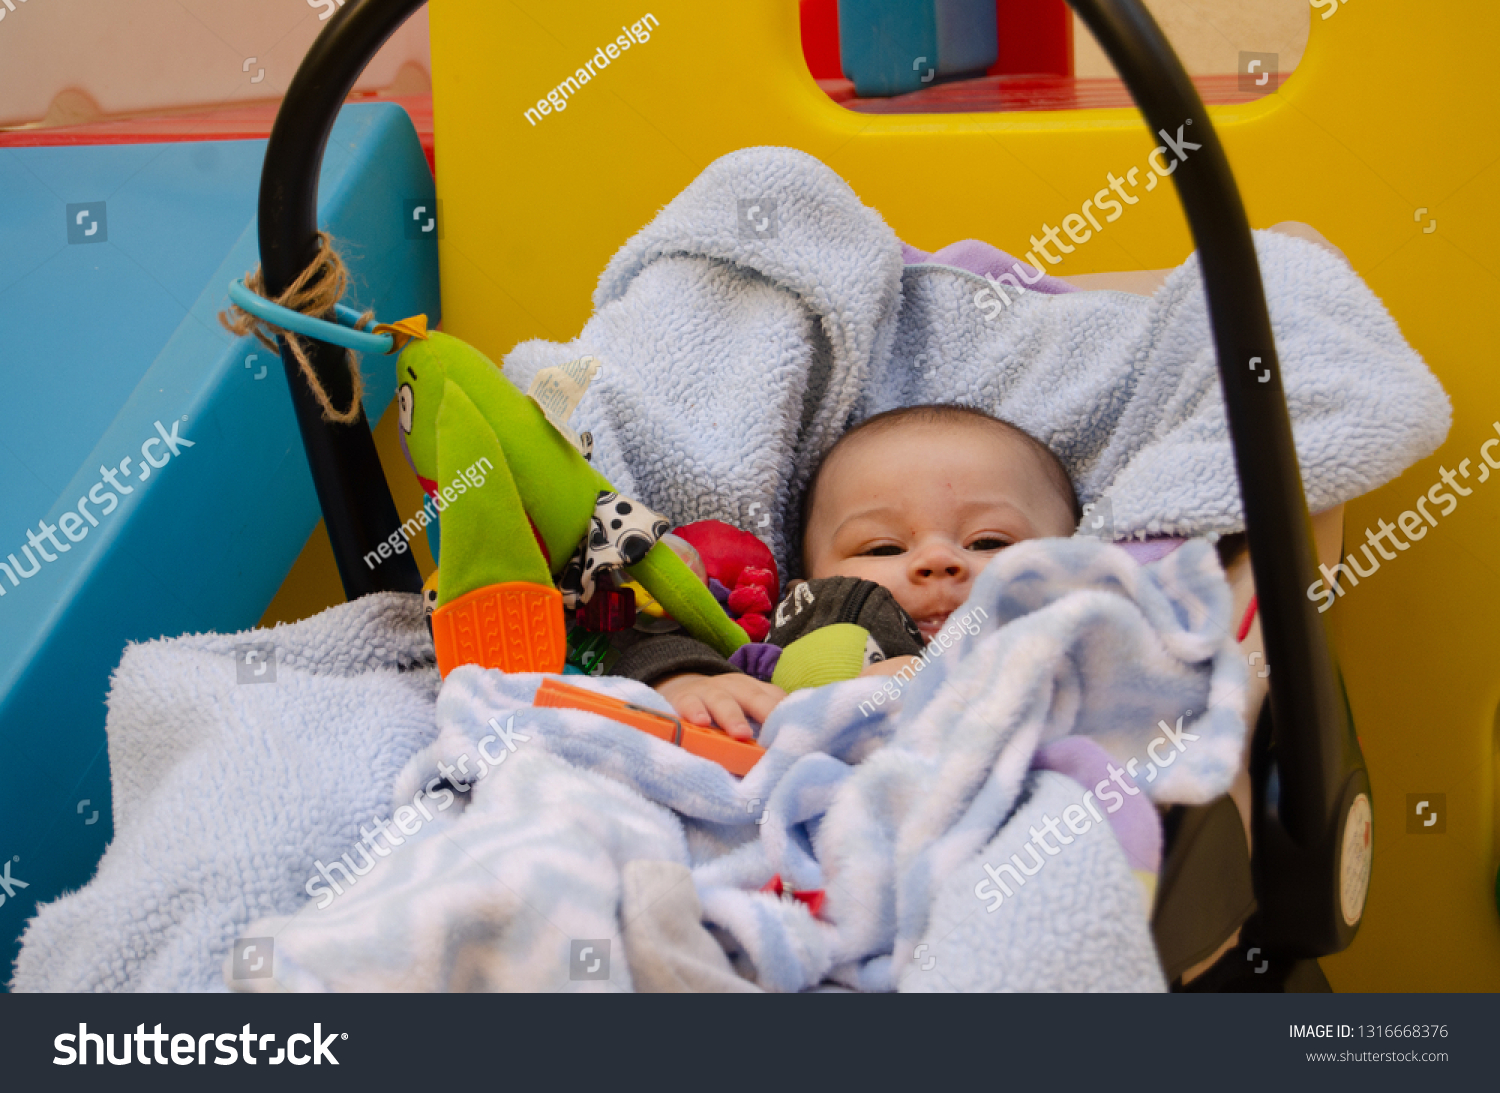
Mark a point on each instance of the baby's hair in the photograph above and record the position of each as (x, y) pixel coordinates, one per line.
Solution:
(943, 413)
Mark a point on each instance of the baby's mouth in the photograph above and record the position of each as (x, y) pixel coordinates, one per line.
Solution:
(931, 625)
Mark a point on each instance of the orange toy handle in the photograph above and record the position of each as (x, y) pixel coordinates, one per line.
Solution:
(735, 756)
(516, 626)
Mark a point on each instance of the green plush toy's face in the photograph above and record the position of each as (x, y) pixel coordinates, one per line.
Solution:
(419, 383)
(422, 372)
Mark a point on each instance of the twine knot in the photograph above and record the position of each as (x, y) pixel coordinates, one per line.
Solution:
(314, 292)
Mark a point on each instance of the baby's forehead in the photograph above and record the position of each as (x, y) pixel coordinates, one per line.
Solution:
(975, 437)
(906, 453)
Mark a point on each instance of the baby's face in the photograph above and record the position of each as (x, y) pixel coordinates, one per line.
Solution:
(921, 508)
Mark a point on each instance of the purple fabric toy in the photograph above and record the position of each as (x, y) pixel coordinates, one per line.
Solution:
(757, 658)
(983, 259)
(1135, 822)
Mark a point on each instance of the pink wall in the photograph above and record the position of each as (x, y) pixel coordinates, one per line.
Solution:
(135, 56)
(1210, 34)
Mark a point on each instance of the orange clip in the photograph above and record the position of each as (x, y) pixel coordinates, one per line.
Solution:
(735, 756)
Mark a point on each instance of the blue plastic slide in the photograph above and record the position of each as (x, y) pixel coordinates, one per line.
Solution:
(153, 478)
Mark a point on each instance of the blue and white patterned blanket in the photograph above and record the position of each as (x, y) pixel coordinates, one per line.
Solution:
(891, 814)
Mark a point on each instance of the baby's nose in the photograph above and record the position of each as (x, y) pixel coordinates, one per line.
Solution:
(951, 570)
(940, 561)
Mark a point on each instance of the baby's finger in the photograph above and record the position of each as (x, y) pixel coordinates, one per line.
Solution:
(759, 699)
(691, 708)
(728, 715)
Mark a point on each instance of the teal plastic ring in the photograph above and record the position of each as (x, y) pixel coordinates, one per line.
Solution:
(339, 333)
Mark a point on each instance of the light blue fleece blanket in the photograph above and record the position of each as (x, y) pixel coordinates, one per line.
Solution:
(226, 792)
(734, 359)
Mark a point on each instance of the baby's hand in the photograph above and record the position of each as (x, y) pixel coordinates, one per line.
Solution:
(723, 700)
(893, 666)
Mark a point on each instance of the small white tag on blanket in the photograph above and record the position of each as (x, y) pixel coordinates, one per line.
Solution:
(559, 389)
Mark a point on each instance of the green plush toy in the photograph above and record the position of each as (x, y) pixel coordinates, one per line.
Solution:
(827, 655)
(541, 514)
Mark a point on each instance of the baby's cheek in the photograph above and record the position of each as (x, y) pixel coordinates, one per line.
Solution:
(905, 596)
(878, 570)
(888, 572)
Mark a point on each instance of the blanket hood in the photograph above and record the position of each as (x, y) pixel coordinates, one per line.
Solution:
(765, 309)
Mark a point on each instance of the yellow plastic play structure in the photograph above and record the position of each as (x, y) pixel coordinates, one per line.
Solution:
(1384, 139)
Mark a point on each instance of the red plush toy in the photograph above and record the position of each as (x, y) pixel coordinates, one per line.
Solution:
(744, 568)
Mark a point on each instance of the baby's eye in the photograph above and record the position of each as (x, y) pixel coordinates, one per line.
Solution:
(989, 542)
(884, 550)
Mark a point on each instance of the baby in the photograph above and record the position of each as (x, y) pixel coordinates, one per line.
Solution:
(916, 500)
